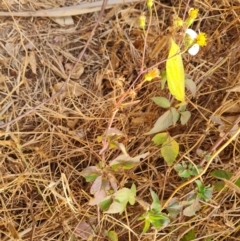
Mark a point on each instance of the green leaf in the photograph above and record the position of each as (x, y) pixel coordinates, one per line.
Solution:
(156, 206)
(175, 72)
(146, 226)
(191, 86)
(91, 178)
(161, 101)
(163, 78)
(112, 235)
(208, 239)
(221, 174)
(124, 165)
(116, 207)
(162, 123)
(158, 220)
(169, 151)
(125, 195)
(219, 185)
(133, 193)
(122, 195)
(91, 173)
(195, 169)
(105, 204)
(189, 236)
(185, 117)
(182, 108)
(175, 115)
(160, 138)
(237, 183)
(186, 171)
(125, 162)
(204, 192)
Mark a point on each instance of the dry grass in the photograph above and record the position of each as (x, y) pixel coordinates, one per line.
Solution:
(42, 195)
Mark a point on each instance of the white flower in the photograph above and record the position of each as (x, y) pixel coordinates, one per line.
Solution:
(193, 50)
(196, 40)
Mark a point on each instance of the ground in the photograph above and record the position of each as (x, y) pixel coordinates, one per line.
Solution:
(57, 105)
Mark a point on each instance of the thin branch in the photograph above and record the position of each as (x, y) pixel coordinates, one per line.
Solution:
(69, 76)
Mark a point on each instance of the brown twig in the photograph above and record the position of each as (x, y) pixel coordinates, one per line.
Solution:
(68, 11)
(69, 76)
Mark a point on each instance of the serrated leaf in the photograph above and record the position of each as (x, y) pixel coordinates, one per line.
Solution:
(191, 86)
(185, 115)
(179, 167)
(169, 151)
(112, 235)
(162, 123)
(221, 174)
(161, 101)
(185, 173)
(175, 115)
(155, 206)
(160, 138)
(175, 72)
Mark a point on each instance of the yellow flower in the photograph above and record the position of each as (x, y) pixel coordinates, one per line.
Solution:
(150, 4)
(193, 13)
(142, 21)
(178, 22)
(152, 74)
(201, 39)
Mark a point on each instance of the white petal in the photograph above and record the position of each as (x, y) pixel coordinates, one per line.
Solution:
(194, 49)
(191, 33)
